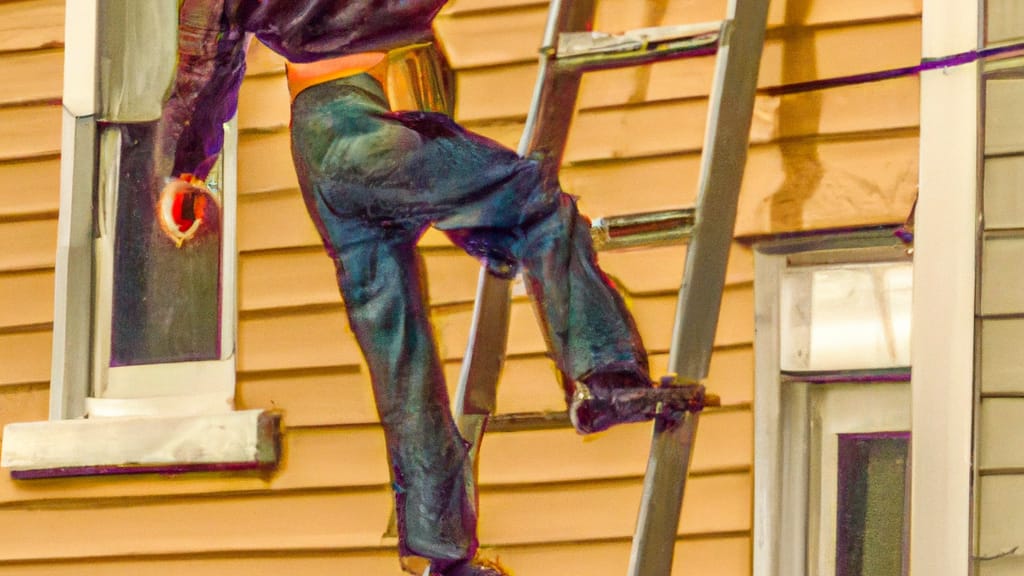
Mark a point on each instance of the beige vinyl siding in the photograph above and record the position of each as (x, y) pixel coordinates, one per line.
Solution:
(1001, 318)
(550, 500)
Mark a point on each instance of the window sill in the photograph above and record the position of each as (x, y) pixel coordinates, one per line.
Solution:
(225, 441)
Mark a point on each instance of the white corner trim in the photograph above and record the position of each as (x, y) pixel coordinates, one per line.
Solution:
(942, 341)
(123, 443)
(80, 30)
(949, 27)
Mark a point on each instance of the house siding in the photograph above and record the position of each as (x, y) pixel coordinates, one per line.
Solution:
(549, 499)
(1000, 305)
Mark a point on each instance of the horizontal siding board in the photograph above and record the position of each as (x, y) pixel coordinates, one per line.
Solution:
(597, 510)
(1001, 513)
(1003, 202)
(731, 374)
(264, 103)
(25, 357)
(796, 185)
(1001, 423)
(279, 522)
(31, 24)
(28, 244)
(1004, 120)
(1005, 566)
(38, 189)
(323, 398)
(30, 131)
(679, 126)
(1004, 20)
(807, 185)
(266, 161)
(1001, 369)
(312, 520)
(1002, 279)
(33, 291)
(275, 220)
(721, 556)
(482, 39)
(634, 184)
(308, 340)
(31, 76)
(276, 279)
(644, 271)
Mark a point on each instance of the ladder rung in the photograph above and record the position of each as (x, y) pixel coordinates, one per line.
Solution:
(597, 50)
(528, 421)
(643, 229)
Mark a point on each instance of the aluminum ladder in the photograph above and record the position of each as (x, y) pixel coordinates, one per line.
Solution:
(569, 50)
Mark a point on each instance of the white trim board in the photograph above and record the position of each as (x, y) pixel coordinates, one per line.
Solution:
(942, 340)
(230, 440)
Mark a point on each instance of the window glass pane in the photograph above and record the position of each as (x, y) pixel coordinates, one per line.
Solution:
(871, 517)
(846, 318)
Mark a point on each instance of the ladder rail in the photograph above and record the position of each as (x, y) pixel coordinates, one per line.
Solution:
(722, 165)
(700, 296)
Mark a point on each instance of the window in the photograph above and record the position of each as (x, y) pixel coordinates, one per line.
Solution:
(832, 410)
(144, 330)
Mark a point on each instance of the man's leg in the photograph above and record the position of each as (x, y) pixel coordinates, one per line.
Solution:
(589, 330)
(335, 144)
(380, 278)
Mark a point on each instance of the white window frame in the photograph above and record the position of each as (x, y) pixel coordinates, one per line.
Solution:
(786, 494)
(169, 416)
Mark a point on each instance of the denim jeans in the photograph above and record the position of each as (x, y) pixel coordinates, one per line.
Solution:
(374, 181)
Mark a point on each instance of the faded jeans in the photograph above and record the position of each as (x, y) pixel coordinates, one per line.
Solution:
(373, 181)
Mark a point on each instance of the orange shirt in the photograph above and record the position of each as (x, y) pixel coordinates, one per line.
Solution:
(302, 76)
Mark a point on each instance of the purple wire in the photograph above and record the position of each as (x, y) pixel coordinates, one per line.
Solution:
(926, 64)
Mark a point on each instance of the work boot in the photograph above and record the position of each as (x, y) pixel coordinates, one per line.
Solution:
(605, 399)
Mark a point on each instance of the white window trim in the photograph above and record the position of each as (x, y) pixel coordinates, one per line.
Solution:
(781, 507)
(140, 418)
